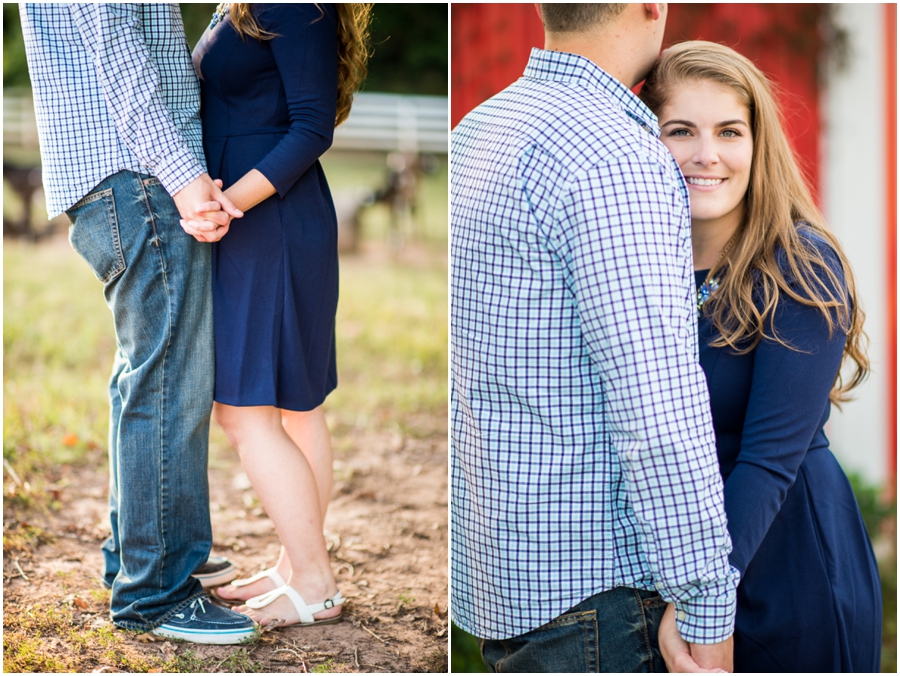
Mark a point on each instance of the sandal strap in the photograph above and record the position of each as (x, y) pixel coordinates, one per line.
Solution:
(271, 573)
(304, 611)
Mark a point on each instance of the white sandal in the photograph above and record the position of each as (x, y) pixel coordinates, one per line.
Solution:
(304, 611)
(270, 573)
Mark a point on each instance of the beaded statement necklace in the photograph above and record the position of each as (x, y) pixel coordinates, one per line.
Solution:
(710, 284)
(219, 15)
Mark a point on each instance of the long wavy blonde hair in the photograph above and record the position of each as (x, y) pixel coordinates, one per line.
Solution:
(781, 219)
(353, 22)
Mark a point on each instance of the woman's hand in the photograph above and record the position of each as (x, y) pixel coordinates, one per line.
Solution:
(675, 650)
(209, 213)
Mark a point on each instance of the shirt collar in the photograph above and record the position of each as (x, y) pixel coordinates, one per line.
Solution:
(565, 67)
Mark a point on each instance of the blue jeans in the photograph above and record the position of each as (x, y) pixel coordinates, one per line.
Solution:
(613, 631)
(157, 283)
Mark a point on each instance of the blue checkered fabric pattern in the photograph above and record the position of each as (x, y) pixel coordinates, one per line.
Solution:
(583, 454)
(114, 88)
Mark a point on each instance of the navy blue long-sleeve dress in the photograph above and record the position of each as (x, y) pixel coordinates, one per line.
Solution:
(809, 599)
(270, 105)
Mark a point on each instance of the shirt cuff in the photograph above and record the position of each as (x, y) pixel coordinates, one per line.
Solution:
(179, 170)
(709, 618)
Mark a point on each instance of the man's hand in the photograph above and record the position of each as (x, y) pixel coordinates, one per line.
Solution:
(206, 211)
(715, 656)
(691, 658)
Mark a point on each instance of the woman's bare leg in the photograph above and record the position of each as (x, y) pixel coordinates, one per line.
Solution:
(286, 484)
(309, 432)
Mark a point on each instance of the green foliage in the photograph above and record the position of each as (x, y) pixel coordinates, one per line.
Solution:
(327, 667)
(409, 40)
(879, 516)
(888, 571)
(875, 510)
(196, 17)
(15, 68)
(465, 657)
(410, 49)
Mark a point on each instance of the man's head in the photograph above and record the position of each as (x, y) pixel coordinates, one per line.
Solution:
(622, 38)
(578, 17)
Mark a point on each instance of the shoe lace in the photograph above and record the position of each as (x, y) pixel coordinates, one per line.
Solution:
(194, 605)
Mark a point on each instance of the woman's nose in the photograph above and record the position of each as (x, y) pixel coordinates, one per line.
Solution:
(705, 153)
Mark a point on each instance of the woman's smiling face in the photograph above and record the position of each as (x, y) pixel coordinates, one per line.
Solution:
(706, 127)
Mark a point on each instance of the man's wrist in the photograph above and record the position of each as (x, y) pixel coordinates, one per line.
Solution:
(179, 172)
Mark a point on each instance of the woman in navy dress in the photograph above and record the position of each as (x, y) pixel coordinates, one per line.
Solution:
(276, 79)
(778, 315)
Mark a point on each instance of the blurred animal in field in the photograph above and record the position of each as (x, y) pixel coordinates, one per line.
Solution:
(24, 182)
(401, 193)
(349, 203)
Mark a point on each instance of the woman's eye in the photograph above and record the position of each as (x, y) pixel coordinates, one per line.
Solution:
(730, 133)
(679, 132)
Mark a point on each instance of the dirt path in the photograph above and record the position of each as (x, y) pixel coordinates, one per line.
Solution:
(386, 527)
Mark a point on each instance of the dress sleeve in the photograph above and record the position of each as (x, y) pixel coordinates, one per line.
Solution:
(305, 52)
(629, 260)
(788, 404)
(131, 85)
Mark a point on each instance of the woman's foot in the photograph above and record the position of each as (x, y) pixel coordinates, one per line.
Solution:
(282, 611)
(240, 591)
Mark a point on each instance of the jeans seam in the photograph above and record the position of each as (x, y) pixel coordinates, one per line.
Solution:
(592, 662)
(162, 368)
(498, 662)
(117, 240)
(642, 610)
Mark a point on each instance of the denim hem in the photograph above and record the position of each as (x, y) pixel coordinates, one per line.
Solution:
(150, 626)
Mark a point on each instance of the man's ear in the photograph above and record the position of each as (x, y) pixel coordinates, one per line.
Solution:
(537, 7)
(652, 9)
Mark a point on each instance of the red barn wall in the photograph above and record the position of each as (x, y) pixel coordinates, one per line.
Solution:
(490, 44)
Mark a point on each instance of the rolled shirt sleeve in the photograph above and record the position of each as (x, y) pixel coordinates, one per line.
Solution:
(622, 234)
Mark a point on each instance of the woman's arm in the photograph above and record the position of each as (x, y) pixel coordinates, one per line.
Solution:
(305, 53)
(251, 189)
(788, 399)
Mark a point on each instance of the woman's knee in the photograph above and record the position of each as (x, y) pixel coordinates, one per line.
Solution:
(242, 423)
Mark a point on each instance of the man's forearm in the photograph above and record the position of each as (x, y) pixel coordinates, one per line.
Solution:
(130, 82)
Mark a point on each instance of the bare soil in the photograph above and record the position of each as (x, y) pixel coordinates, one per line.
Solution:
(387, 532)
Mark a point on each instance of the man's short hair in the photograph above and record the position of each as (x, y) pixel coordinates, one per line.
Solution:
(578, 17)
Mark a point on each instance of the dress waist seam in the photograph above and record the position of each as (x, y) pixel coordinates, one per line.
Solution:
(261, 132)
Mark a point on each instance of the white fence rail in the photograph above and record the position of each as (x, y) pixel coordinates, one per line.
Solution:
(398, 122)
(19, 127)
(380, 122)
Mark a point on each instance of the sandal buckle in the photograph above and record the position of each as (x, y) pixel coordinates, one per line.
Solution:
(329, 603)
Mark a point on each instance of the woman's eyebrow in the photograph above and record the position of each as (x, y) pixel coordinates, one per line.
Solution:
(681, 122)
(686, 123)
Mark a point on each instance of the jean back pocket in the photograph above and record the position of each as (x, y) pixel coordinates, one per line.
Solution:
(94, 234)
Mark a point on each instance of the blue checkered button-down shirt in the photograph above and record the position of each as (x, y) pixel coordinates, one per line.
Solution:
(583, 454)
(114, 88)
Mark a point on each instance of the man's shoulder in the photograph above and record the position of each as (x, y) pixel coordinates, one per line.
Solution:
(580, 127)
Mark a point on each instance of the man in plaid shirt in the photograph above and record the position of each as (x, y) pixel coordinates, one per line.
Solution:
(586, 490)
(117, 103)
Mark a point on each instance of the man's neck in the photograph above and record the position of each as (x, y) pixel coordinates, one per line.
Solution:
(610, 54)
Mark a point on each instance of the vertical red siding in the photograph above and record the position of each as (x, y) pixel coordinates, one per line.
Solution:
(490, 44)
